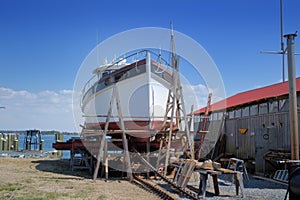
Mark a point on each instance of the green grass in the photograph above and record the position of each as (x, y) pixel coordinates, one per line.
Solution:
(69, 187)
(10, 187)
(102, 197)
(42, 196)
(84, 192)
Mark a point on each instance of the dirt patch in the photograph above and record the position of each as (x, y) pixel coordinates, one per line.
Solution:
(38, 179)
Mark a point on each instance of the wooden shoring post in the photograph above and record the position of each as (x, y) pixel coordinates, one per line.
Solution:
(170, 136)
(168, 107)
(104, 135)
(105, 159)
(173, 90)
(159, 156)
(124, 139)
(148, 156)
(175, 103)
(72, 156)
(190, 121)
(187, 128)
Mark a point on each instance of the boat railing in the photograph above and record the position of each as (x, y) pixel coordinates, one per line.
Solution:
(89, 87)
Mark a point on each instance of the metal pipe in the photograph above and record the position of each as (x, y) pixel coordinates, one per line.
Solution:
(281, 42)
(293, 113)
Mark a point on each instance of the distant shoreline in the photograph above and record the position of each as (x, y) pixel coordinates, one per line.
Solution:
(22, 132)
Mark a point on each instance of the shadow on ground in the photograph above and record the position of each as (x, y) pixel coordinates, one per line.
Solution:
(60, 166)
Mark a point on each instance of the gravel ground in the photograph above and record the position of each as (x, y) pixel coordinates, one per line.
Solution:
(253, 189)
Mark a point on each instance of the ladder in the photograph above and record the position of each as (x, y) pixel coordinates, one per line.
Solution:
(203, 127)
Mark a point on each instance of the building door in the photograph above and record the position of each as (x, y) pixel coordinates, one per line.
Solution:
(262, 137)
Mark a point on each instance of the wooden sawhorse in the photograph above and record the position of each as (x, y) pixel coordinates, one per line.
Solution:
(238, 180)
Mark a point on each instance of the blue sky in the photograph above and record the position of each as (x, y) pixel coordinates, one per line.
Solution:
(43, 43)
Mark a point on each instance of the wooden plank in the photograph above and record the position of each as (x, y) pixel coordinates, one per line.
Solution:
(202, 185)
(226, 171)
(186, 173)
(269, 179)
(216, 185)
(238, 179)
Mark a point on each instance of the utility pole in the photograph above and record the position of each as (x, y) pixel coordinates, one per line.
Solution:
(293, 111)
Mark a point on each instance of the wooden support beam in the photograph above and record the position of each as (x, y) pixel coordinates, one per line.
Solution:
(125, 142)
(104, 135)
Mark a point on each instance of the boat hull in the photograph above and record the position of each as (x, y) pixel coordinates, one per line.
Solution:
(142, 105)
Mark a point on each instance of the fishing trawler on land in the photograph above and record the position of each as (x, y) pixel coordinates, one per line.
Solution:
(141, 89)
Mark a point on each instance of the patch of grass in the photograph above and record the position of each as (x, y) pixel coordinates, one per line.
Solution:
(30, 198)
(42, 196)
(28, 181)
(84, 192)
(10, 187)
(69, 187)
(52, 195)
(102, 197)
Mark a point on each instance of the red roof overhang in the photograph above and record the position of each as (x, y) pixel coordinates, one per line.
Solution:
(251, 96)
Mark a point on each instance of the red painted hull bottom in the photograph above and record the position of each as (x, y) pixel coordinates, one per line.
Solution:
(93, 146)
(136, 140)
(129, 125)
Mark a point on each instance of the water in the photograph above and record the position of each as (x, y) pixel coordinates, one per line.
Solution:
(48, 141)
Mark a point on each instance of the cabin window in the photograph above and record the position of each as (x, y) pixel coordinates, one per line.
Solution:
(104, 82)
(161, 72)
(106, 72)
(245, 111)
(100, 86)
(254, 110)
(136, 71)
(263, 108)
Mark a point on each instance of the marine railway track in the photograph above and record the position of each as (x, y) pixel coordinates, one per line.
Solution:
(162, 192)
(159, 191)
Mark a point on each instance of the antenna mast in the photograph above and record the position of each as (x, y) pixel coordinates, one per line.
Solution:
(283, 49)
(282, 43)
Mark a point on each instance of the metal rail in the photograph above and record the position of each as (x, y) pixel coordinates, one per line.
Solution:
(188, 193)
(151, 188)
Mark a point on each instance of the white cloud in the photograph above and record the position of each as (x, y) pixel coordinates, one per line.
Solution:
(194, 95)
(46, 110)
(197, 95)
